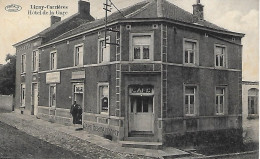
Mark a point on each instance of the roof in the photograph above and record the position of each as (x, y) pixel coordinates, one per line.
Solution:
(60, 27)
(148, 9)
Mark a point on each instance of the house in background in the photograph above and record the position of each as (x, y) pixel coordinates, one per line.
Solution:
(172, 78)
(250, 111)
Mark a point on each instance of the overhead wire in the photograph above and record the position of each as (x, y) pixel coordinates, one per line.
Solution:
(117, 8)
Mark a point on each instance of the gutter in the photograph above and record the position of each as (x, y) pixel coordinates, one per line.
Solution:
(143, 20)
(27, 40)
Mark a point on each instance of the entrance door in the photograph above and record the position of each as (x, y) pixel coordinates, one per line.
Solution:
(35, 98)
(78, 96)
(141, 115)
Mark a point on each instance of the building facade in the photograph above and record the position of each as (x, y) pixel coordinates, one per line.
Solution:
(250, 111)
(163, 75)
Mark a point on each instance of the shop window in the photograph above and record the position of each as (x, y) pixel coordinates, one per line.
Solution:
(52, 96)
(220, 56)
(253, 101)
(22, 94)
(104, 50)
(142, 47)
(23, 63)
(190, 100)
(220, 100)
(35, 60)
(103, 98)
(190, 51)
(78, 55)
(53, 61)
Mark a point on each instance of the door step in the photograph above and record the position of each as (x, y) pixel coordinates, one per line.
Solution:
(145, 145)
(141, 139)
(141, 134)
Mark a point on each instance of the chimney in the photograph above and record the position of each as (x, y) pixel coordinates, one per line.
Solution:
(198, 10)
(55, 19)
(83, 7)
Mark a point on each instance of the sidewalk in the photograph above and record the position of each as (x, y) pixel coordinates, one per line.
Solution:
(81, 142)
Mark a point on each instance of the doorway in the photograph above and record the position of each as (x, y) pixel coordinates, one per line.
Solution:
(141, 114)
(78, 96)
(35, 98)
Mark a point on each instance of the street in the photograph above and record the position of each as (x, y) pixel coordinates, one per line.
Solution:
(17, 144)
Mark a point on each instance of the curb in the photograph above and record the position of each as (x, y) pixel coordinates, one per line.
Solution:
(230, 154)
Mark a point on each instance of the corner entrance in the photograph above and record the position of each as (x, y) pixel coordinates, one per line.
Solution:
(141, 111)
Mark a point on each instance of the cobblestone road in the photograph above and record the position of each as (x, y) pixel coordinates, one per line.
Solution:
(67, 145)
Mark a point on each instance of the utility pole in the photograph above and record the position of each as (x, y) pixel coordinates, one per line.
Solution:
(108, 7)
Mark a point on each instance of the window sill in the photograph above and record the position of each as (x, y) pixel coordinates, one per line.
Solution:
(220, 68)
(252, 116)
(220, 114)
(52, 108)
(142, 60)
(23, 74)
(104, 114)
(22, 106)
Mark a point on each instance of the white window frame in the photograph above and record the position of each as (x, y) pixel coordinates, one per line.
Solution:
(100, 49)
(23, 94)
(53, 67)
(151, 47)
(195, 94)
(225, 64)
(102, 84)
(217, 97)
(23, 63)
(76, 55)
(256, 106)
(35, 60)
(50, 98)
(196, 52)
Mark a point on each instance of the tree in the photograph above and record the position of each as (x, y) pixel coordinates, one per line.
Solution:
(7, 75)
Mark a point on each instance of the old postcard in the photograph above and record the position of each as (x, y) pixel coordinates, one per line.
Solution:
(129, 79)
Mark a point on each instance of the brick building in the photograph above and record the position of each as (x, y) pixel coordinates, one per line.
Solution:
(173, 77)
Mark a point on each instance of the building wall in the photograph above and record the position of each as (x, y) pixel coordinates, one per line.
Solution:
(26, 78)
(250, 122)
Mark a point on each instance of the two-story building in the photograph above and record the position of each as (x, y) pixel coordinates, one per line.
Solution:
(172, 78)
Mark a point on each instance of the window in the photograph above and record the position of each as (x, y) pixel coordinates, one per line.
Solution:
(22, 94)
(78, 55)
(220, 100)
(35, 60)
(143, 104)
(189, 101)
(142, 47)
(220, 56)
(23, 63)
(103, 90)
(252, 101)
(52, 95)
(190, 50)
(104, 51)
(53, 61)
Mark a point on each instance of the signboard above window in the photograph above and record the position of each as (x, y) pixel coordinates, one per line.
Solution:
(141, 90)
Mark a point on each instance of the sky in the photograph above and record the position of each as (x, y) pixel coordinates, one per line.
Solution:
(235, 15)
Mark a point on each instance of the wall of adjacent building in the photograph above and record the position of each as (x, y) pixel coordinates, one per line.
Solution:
(250, 122)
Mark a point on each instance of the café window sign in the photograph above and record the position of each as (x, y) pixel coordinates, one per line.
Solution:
(78, 89)
(141, 90)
